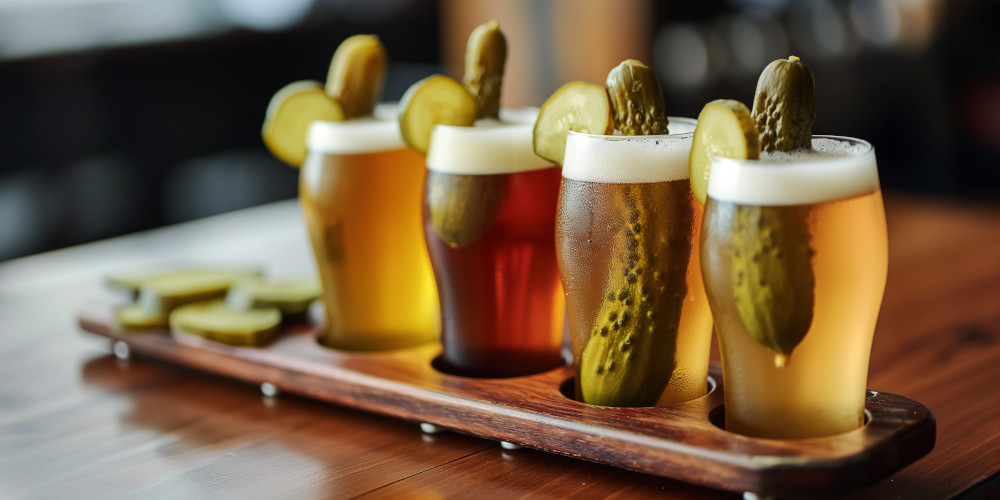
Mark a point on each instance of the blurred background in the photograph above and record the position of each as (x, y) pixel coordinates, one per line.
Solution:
(123, 115)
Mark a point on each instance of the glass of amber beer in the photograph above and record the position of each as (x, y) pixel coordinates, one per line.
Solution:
(794, 256)
(627, 241)
(489, 219)
(360, 189)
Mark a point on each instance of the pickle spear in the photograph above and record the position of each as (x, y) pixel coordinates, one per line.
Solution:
(636, 99)
(629, 358)
(784, 106)
(724, 129)
(435, 100)
(577, 106)
(289, 114)
(485, 57)
(461, 207)
(356, 74)
(773, 280)
(216, 321)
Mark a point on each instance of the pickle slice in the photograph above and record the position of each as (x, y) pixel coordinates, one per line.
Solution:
(578, 106)
(289, 114)
(435, 100)
(356, 74)
(214, 320)
(132, 281)
(636, 99)
(724, 129)
(132, 318)
(163, 294)
(289, 297)
(485, 56)
(784, 105)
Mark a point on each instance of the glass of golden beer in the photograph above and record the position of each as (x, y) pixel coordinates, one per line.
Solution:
(627, 239)
(360, 189)
(489, 219)
(794, 256)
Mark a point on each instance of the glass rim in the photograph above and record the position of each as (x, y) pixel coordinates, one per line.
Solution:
(815, 162)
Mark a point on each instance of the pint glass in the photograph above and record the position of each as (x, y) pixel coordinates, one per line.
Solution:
(489, 219)
(627, 239)
(794, 256)
(360, 190)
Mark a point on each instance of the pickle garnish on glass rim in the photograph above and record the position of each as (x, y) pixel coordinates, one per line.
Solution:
(578, 106)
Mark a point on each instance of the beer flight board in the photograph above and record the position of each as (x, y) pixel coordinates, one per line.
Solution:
(685, 441)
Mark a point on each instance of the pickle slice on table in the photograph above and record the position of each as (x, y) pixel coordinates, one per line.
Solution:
(289, 297)
(784, 105)
(636, 99)
(161, 295)
(485, 57)
(214, 320)
(132, 281)
(724, 129)
(356, 74)
(435, 100)
(132, 318)
(578, 106)
(289, 114)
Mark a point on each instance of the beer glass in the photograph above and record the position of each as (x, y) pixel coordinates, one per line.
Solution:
(489, 218)
(627, 239)
(360, 189)
(794, 256)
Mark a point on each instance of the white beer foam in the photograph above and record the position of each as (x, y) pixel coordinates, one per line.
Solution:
(491, 147)
(630, 158)
(835, 168)
(379, 132)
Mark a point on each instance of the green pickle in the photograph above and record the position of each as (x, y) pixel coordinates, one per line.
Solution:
(784, 105)
(773, 279)
(630, 355)
(462, 207)
(636, 99)
(485, 57)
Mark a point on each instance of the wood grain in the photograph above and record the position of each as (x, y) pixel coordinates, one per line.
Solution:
(74, 422)
(679, 442)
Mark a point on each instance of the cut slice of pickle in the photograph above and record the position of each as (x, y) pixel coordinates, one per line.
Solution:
(289, 114)
(356, 74)
(290, 297)
(724, 129)
(578, 106)
(435, 100)
(163, 294)
(132, 281)
(132, 318)
(214, 320)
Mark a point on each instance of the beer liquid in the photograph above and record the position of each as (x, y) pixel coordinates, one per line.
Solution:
(362, 211)
(820, 390)
(501, 300)
(588, 257)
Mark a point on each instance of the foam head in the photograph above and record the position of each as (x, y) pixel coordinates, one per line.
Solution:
(630, 158)
(379, 132)
(835, 168)
(491, 147)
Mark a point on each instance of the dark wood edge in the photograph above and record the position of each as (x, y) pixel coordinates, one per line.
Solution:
(677, 442)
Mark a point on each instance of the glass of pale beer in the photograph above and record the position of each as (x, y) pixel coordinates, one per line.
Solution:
(489, 219)
(627, 239)
(795, 244)
(360, 190)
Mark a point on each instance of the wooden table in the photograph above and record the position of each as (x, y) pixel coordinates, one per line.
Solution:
(74, 421)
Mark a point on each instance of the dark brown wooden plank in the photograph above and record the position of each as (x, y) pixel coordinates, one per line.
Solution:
(677, 442)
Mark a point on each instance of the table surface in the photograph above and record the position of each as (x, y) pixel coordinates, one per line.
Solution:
(76, 421)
